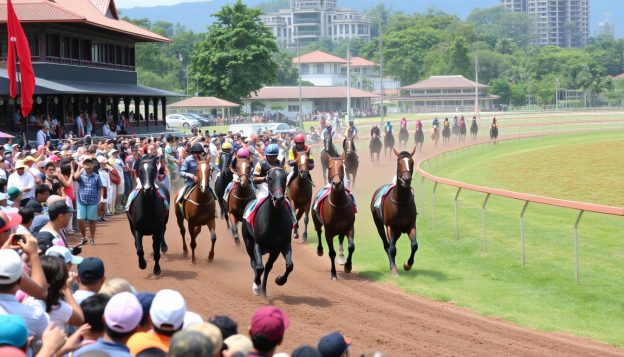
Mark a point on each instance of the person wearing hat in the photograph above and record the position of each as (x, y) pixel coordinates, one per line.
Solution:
(23, 180)
(145, 298)
(13, 332)
(167, 314)
(305, 351)
(117, 164)
(15, 196)
(350, 133)
(3, 174)
(267, 329)
(121, 318)
(334, 345)
(90, 194)
(262, 169)
(212, 332)
(299, 147)
(191, 344)
(91, 277)
(188, 171)
(236, 345)
(52, 233)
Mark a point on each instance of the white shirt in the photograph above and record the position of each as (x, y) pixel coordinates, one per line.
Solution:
(3, 174)
(41, 137)
(106, 182)
(82, 295)
(25, 181)
(35, 317)
(106, 130)
(59, 314)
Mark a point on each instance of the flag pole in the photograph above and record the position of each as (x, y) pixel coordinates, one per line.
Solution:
(18, 89)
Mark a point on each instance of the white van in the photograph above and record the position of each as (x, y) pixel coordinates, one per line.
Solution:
(245, 129)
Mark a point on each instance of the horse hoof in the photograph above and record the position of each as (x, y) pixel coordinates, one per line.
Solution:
(157, 271)
(296, 235)
(210, 256)
(347, 268)
(407, 267)
(142, 264)
(193, 261)
(341, 259)
(334, 278)
(256, 289)
(319, 252)
(280, 280)
(185, 253)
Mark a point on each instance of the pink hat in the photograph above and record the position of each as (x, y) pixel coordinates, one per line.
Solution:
(54, 158)
(123, 312)
(269, 322)
(242, 152)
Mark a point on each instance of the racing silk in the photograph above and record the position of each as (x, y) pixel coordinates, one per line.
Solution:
(403, 123)
(446, 123)
(218, 161)
(388, 127)
(306, 149)
(435, 122)
(494, 123)
(462, 121)
(375, 130)
(263, 167)
(325, 130)
(189, 166)
(351, 132)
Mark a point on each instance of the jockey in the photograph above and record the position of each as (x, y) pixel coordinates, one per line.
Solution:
(243, 154)
(328, 129)
(403, 123)
(435, 123)
(188, 170)
(375, 130)
(446, 122)
(300, 146)
(350, 133)
(462, 121)
(418, 124)
(262, 168)
(388, 127)
(494, 123)
(455, 121)
(226, 148)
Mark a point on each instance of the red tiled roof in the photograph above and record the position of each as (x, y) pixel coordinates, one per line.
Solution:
(268, 93)
(203, 102)
(91, 12)
(437, 82)
(361, 62)
(619, 76)
(318, 57)
(387, 92)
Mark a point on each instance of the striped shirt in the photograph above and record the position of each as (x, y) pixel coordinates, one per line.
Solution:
(88, 189)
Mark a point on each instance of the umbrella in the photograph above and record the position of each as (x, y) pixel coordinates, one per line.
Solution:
(5, 135)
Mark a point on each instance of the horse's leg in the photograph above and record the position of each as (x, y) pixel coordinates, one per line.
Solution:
(318, 227)
(156, 245)
(306, 219)
(234, 228)
(138, 243)
(391, 237)
(213, 238)
(341, 257)
(258, 269)
(332, 255)
(414, 246)
(298, 215)
(287, 253)
(180, 219)
(348, 265)
(273, 255)
(194, 231)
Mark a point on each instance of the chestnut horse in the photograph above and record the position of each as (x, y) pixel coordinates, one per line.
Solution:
(300, 194)
(338, 215)
(240, 195)
(398, 211)
(403, 137)
(352, 161)
(199, 209)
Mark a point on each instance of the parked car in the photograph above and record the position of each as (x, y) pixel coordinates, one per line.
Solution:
(279, 128)
(205, 121)
(181, 120)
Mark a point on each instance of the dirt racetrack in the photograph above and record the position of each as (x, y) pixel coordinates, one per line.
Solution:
(377, 317)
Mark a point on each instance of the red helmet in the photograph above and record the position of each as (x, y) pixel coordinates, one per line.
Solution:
(299, 139)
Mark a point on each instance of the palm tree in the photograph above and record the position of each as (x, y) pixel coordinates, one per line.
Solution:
(505, 46)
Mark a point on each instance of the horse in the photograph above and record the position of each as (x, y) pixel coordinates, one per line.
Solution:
(223, 179)
(474, 129)
(337, 215)
(462, 131)
(403, 137)
(270, 233)
(446, 134)
(396, 214)
(494, 133)
(300, 194)
(374, 147)
(351, 161)
(329, 148)
(419, 137)
(198, 209)
(434, 135)
(388, 142)
(240, 195)
(147, 214)
(455, 130)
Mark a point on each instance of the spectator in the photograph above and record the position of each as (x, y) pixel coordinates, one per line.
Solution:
(237, 345)
(146, 299)
(22, 180)
(118, 165)
(121, 318)
(27, 215)
(50, 175)
(190, 344)
(267, 329)
(192, 318)
(93, 311)
(91, 277)
(334, 345)
(42, 192)
(212, 332)
(227, 326)
(115, 286)
(305, 351)
(13, 332)
(52, 233)
(167, 314)
(42, 135)
(15, 197)
(90, 194)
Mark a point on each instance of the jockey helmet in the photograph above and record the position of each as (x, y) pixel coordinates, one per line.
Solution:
(254, 137)
(197, 148)
(300, 139)
(227, 146)
(328, 125)
(272, 150)
(242, 152)
(351, 122)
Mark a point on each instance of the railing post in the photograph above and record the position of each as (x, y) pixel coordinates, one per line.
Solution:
(522, 260)
(435, 185)
(576, 245)
(456, 218)
(487, 197)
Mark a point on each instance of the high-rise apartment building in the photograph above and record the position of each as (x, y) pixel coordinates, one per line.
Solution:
(307, 21)
(563, 23)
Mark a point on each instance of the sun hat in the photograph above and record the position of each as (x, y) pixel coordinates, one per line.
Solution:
(9, 351)
(168, 310)
(20, 165)
(270, 322)
(11, 266)
(123, 312)
(9, 220)
(29, 159)
(238, 343)
(91, 270)
(333, 345)
(190, 344)
(54, 158)
(65, 254)
(212, 332)
(13, 331)
(191, 318)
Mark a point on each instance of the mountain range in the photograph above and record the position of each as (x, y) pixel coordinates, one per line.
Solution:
(196, 16)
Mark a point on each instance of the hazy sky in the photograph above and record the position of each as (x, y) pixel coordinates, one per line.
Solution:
(133, 3)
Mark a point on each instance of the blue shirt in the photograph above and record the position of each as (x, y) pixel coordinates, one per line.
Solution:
(89, 189)
(189, 166)
(113, 349)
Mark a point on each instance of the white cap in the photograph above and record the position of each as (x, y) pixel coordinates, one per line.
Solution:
(168, 310)
(191, 318)
(11, 266)
(65, 253)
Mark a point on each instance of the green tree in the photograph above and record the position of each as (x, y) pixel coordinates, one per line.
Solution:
(505, 46)
(497, 22)
(460, 62)
(287, 74)
(501, 88)
(237, 56)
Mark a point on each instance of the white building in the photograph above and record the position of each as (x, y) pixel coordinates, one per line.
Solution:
(308, 21)
(324, 69)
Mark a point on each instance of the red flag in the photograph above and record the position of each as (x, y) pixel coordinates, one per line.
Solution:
(18, 42)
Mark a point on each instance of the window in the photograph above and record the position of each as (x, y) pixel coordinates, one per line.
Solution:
(33, 42)
(65, 47)
(75, 48)
(85, 50)
(293, 108)
(320, 68)
(305, 69)
(53, 45)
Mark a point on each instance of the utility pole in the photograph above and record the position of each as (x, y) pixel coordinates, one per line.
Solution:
(349, 78)
(556, 94)
(299, 78)
(381, 86)
(476, 103)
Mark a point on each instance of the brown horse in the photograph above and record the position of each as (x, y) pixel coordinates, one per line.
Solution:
(300, 194)
(398, 211)
(434, 134)
(337, 214)
(351, 161)
(240, 195)
(198, 209)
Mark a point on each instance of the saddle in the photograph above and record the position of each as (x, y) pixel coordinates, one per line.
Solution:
(319, 199)
(252, 208)
(159, 191)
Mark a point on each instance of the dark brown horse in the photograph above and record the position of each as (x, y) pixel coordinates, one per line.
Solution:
(419, 137)
(240, 195)
(300, 193)
(337, 214)
(351, 161)
(403, 137)
(474, 129)
(375, 147)
(398, 211)
(199, 209)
